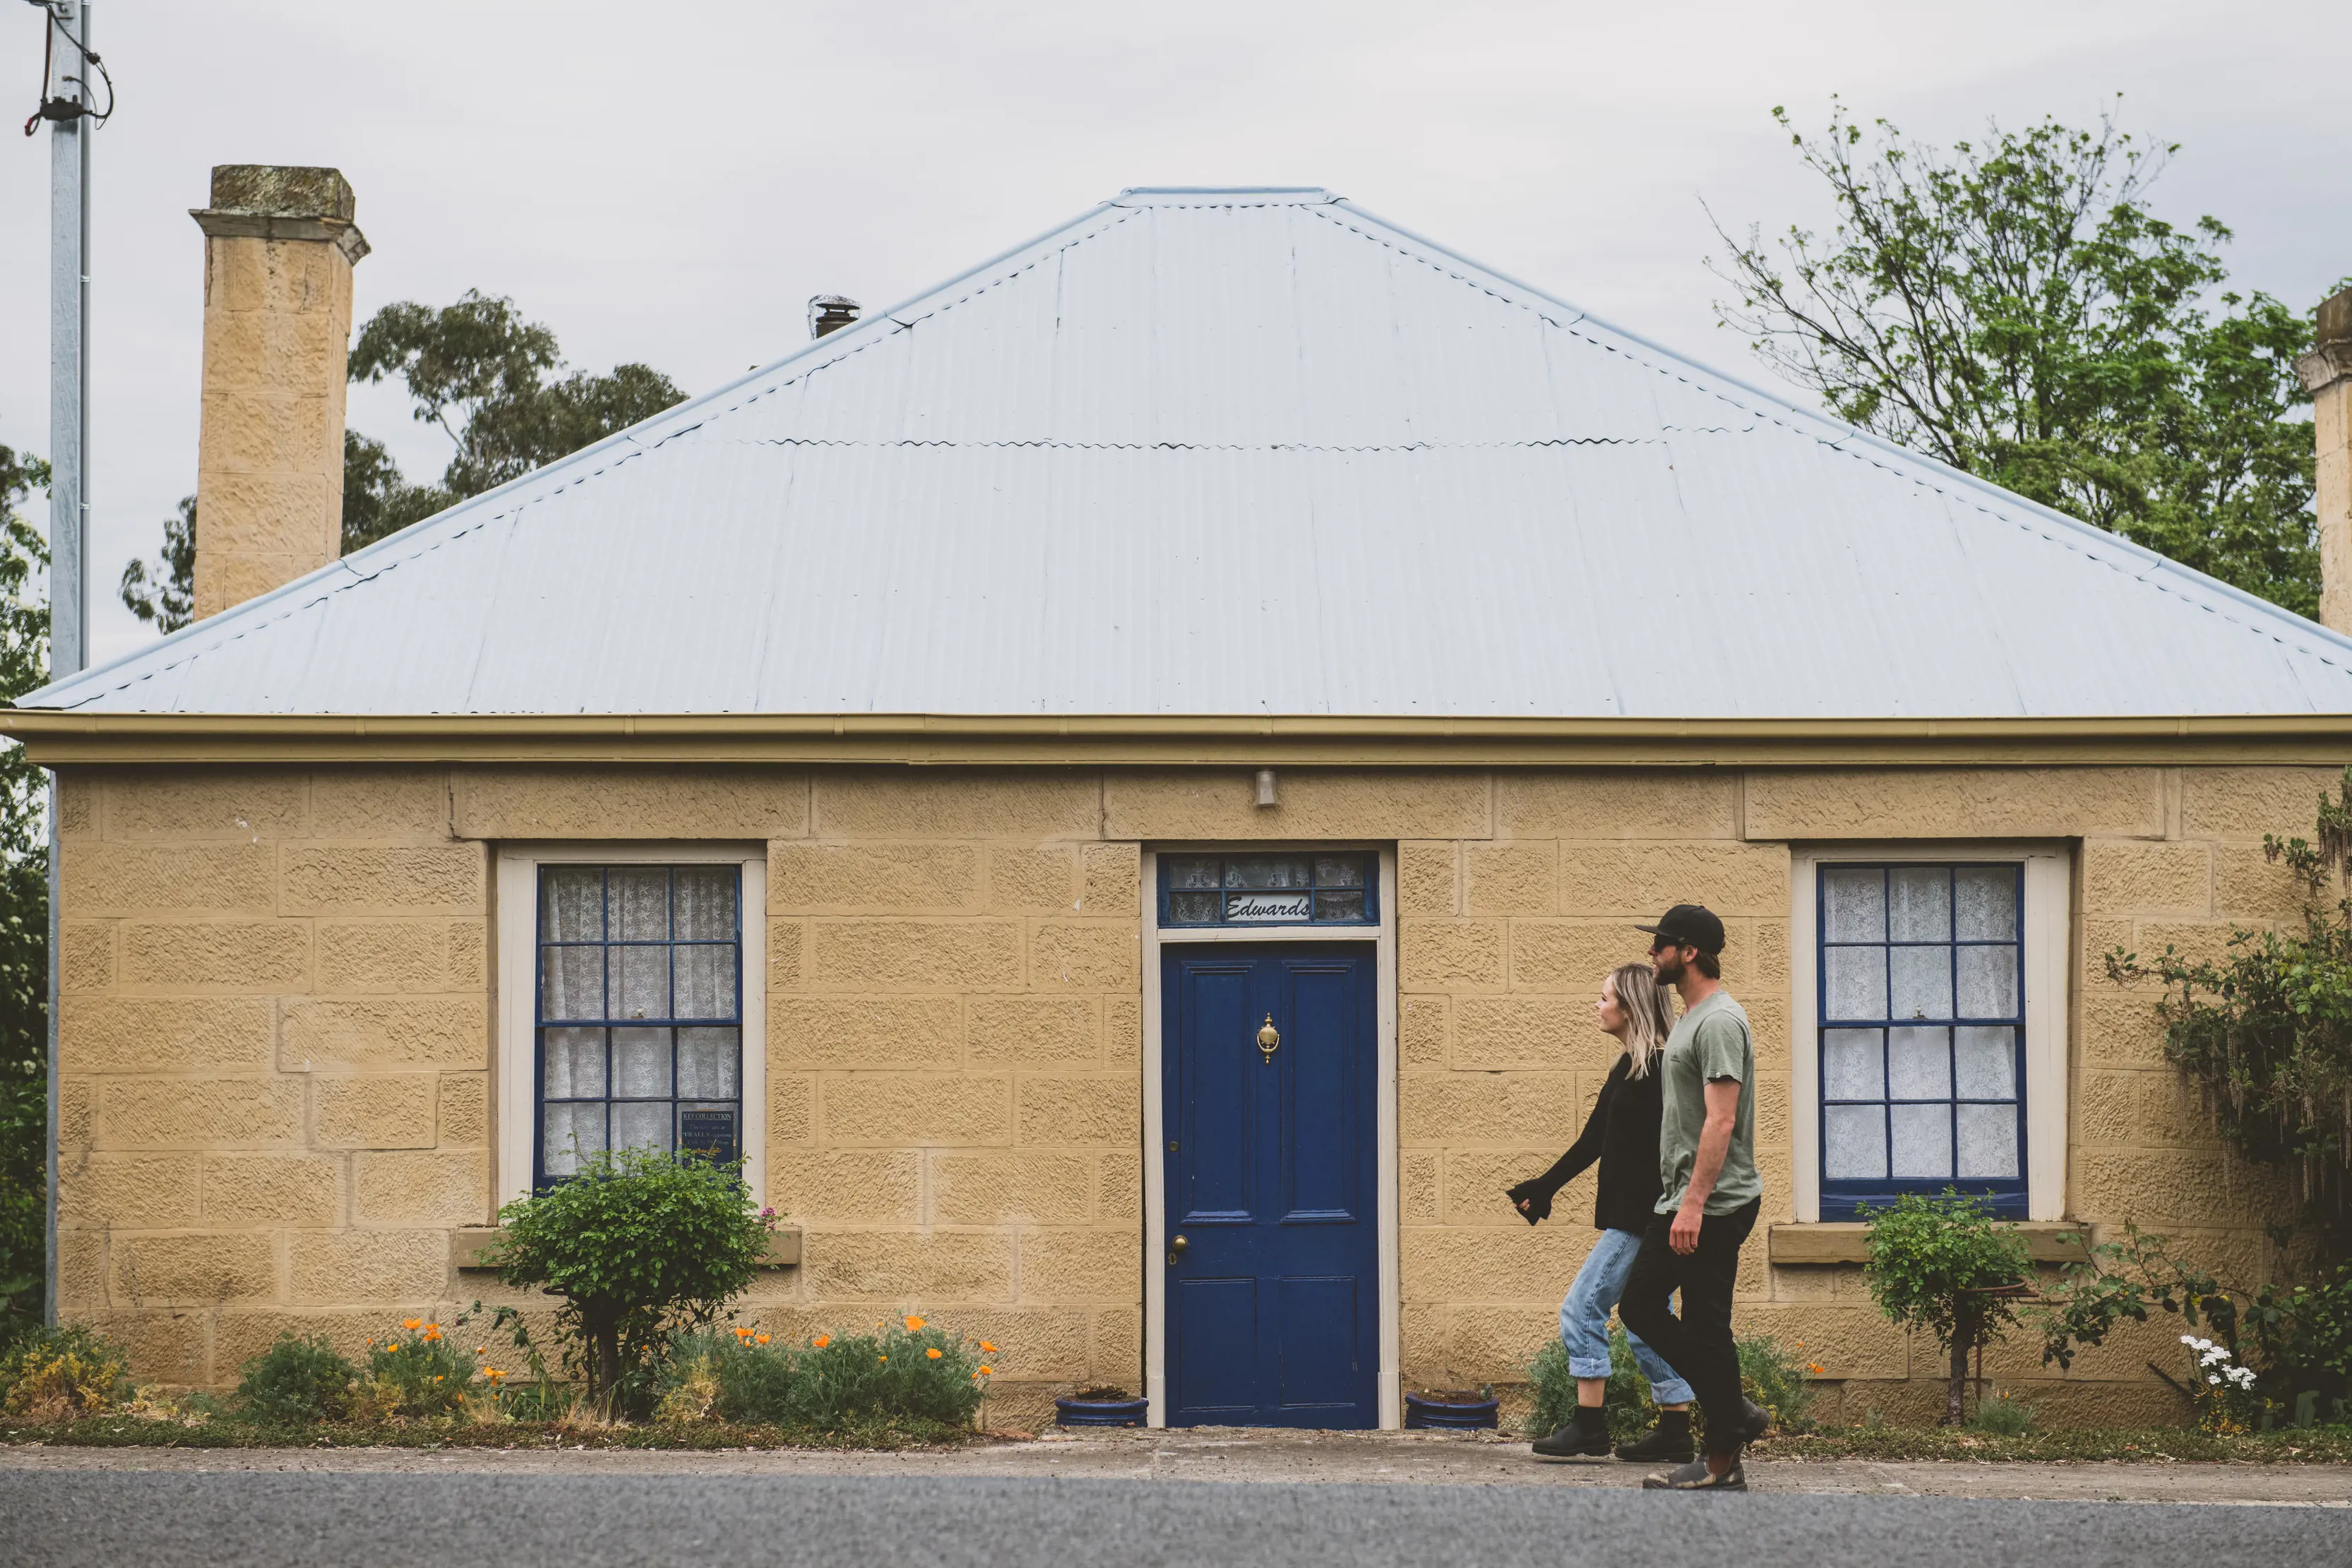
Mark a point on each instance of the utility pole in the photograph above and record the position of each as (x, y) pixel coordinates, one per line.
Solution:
(70, 135)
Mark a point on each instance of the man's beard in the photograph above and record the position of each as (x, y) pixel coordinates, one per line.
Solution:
(1669, 968)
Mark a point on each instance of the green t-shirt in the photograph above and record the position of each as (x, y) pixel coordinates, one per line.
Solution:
(1709, 1042)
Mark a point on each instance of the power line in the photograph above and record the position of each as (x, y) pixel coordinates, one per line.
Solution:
(62, 107)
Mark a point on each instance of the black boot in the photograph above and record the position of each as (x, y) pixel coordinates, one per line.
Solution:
(1585, 1436)
(1667, 1443)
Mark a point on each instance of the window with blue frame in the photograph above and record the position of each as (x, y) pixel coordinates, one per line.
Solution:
(1279, 888)
(639, 1012)
(1922, 1014)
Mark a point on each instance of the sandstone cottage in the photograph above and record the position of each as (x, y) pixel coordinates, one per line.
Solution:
(1156, 738)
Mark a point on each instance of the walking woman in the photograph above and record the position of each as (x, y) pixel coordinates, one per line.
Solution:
(1622, 1136)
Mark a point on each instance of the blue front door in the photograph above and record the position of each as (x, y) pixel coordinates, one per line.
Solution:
(1273, 1297)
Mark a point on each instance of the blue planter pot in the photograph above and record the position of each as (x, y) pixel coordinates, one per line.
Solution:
(1458, 1409)
(1102, 1412)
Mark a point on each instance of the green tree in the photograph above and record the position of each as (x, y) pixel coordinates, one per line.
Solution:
(493, 383)
(2016, 309)
(1945, 1265)
(164, 594)
(24, 913)
(377, 501)
(639, 1245)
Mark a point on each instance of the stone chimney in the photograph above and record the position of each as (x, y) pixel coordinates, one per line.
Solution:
(2327, 372)
(279, 247)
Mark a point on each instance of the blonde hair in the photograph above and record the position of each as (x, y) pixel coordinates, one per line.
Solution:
(1649, 1016)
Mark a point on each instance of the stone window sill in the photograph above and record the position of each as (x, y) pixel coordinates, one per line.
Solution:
(1846, 1242)
(466, 1247)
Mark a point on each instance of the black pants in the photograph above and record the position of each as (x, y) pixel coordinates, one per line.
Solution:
(1698, 1344)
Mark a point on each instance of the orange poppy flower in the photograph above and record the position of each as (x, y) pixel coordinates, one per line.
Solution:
(760, 1338)
(432, 1330)
(412, 1324)
(933, 1353)
(481, 1350)
(822, 1341)
(881, 1358)
(988, 1347)
(984, 1372)
(914, 1325)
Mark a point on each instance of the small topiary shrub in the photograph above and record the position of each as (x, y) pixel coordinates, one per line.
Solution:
(1946, 1265)
(62, 1372)
(299, 1381)
(639, 1244)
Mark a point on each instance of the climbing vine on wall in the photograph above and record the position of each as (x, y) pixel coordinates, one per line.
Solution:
(2265, 1030)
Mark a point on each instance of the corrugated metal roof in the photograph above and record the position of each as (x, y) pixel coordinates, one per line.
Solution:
(1241, 452)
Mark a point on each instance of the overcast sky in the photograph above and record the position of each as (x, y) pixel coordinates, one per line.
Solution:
(670, 183)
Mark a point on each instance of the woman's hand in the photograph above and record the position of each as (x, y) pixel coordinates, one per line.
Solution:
(1532, 1202)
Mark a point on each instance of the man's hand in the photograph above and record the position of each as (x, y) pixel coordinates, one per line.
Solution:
(1683, 1234)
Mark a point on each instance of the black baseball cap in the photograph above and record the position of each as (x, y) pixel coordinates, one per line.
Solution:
(1689, 925)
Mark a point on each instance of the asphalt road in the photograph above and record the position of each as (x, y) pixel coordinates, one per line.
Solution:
(319, 1521)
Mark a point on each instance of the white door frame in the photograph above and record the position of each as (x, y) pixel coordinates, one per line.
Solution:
(1155, 1195)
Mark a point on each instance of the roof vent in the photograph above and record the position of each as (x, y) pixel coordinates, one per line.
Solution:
(831, 313)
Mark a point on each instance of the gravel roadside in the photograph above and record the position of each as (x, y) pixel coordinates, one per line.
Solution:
(1257, 1456)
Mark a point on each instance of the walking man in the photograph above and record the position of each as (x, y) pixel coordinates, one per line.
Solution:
(1706, 1163)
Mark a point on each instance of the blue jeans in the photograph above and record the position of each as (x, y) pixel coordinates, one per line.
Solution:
(1584, 1319)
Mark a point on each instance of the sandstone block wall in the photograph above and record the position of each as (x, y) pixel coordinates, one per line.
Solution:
(274, 1035)
(278, 1017)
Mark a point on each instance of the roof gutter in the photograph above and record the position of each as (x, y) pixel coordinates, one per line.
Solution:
(54, 737)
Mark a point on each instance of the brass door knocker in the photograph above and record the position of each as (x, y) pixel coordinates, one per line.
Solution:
(1268, 1039)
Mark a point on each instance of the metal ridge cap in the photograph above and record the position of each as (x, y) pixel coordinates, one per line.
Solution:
(40, 722)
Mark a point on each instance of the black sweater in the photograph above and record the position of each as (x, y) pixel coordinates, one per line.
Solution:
(1622, 1135)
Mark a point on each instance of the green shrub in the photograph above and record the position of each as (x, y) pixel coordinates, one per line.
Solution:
(2265, 1031)
(1778, 1380)
(639, 1245)
(297, 1381)
(418, 1372)
(2305, 1338)
(1946, 1265)
(905, 1371)
(2002, 1416)
(61, 1373)
(724, 1375)
(1768, 1375)
(1552, 1389)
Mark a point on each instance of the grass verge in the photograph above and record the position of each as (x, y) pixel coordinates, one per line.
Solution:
(230, 1432)
(2318, 1445)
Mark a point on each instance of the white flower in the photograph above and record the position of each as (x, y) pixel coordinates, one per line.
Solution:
(2213, 1377)
(2192, 1340)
